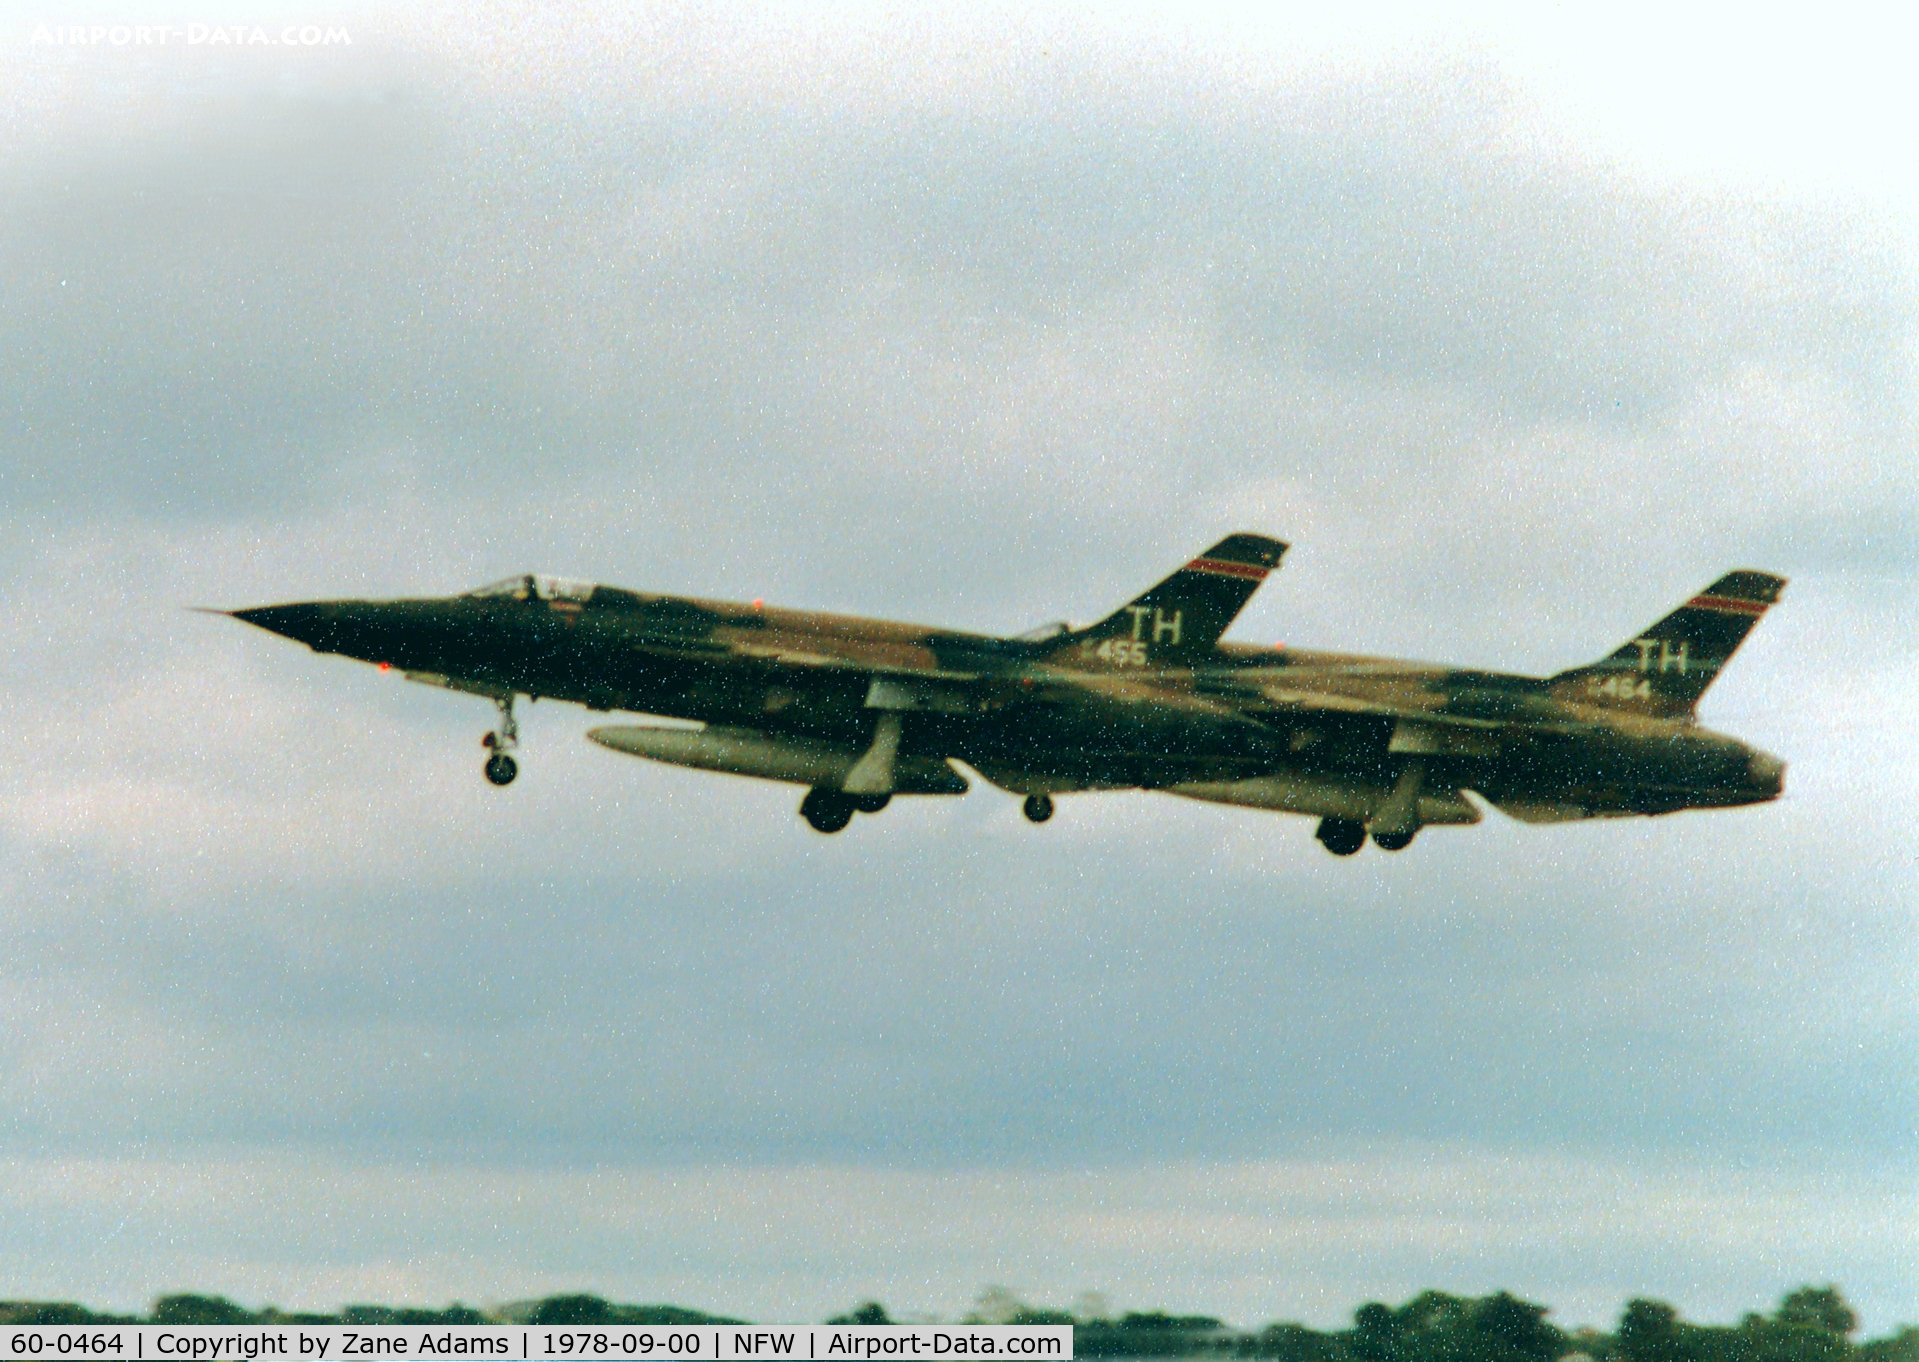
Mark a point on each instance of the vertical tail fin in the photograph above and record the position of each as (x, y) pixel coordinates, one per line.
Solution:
(1178, 622)
(1665, 670)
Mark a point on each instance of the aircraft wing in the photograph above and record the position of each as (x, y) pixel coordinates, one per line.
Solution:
(1440, 713)
(796, 657)
(955, 691)
(1332, 702)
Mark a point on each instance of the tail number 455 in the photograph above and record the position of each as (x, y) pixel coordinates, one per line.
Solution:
(1117, 652)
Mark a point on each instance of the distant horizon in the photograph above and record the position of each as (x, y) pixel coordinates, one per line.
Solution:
(1000, 1307)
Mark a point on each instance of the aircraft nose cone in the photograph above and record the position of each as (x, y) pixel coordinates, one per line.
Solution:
(1768, 772)
(303, 623)
(363, 629)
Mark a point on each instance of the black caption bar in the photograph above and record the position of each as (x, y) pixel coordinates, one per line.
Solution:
(678, 1343)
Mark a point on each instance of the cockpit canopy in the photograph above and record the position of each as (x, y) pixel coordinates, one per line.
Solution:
(537, 586)
(1046, 633)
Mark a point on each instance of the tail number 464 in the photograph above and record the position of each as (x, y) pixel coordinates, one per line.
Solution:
(1620, 687)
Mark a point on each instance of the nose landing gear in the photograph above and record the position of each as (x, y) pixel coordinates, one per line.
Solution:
(500, 766)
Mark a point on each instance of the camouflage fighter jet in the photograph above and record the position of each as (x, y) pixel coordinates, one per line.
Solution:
(861, 710)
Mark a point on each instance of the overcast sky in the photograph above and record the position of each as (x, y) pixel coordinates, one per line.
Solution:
(1519, 329)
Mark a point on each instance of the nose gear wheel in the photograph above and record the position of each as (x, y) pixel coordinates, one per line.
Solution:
(500, 767)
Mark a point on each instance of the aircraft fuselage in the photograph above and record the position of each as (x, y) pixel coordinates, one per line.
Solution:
(861, 709)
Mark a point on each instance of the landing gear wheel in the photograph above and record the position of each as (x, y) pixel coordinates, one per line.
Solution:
(1392, 841)
(826, 810)
(500, 768)
(1341, 836)
(1037, 808)
(870, 803)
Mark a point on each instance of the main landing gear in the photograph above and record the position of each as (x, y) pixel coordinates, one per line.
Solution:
(830, 810)
(1037, 808)
(1395, 823)
(1341, 836)
(500, 767)
(867, 787)
(826, 810)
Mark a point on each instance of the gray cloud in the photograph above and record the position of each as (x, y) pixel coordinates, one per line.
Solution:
(462, 291)
(901, 1013)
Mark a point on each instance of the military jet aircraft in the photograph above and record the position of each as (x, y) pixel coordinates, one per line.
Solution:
(860, 710)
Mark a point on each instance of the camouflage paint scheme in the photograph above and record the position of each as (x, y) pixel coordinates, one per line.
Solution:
(1148, 698)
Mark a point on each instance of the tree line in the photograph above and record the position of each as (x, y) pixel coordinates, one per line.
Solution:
(1812, 1324)
(191, 1309)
